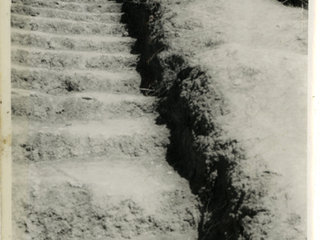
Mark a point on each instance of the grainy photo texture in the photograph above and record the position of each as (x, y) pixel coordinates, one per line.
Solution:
(159, 119)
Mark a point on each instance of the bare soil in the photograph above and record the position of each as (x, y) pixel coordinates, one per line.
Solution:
(232, 79)
(89, 158)
(254, 56)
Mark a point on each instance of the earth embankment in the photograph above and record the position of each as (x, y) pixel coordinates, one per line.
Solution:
(231, 78)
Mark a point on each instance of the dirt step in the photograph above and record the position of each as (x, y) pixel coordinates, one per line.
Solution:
(91, 1)
(72, 59)
(51, 25)
(62, 82)
(78, 106)
(72, 6)
(77, 43)
(104, 198)
(66, 15)
(114, 137)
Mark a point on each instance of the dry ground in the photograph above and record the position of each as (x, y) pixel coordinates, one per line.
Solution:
(96, 159)
(89, 160)
(256, 51)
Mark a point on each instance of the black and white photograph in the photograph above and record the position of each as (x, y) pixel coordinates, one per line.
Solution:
(158, 119)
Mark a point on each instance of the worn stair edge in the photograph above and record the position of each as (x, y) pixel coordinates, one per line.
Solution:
(110, 17)
(73, 80)
(55, 59)
(78, 106)
(54, 42)
(148, 193)
(75, 7)
(51, 25)
(89, 1)
(130, 137)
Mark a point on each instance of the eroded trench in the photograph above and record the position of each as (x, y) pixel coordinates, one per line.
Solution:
(233, 199)
(198, 151)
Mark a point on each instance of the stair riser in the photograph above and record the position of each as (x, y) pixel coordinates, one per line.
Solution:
(57, 146)
(63, 43)
(65, 15)
(57, 83)
(60, 61)
(53, 109)
(69, 28)
(74, 7)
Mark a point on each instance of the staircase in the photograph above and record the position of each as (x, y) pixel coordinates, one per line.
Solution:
(89, 161)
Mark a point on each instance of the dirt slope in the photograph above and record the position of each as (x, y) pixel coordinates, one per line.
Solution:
(262, 67)
(89, 160)
(249, 78)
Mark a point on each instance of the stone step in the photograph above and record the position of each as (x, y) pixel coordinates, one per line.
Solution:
(66, 81)
(69, 27)
(60, 60)
(107, 198)
(71, 42)
(72, 6)
(111, 137)
(78, 106)
(66, 15)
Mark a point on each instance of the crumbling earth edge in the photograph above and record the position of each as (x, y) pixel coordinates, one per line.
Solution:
(238, 193)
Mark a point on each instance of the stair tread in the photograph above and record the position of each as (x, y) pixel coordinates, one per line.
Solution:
(69, 27)
(66, 81)
(62, 59)
(57, 3)
(95, 38)
(106, 128)
(75, 6)
(142, 179)
(43, 19)
(100, 96)
(74, 52)
(68, 11)
(113, 76)
(66, 43)
(142, 189)
(87, 1)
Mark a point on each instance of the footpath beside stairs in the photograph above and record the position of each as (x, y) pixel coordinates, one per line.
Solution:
(89, 161)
